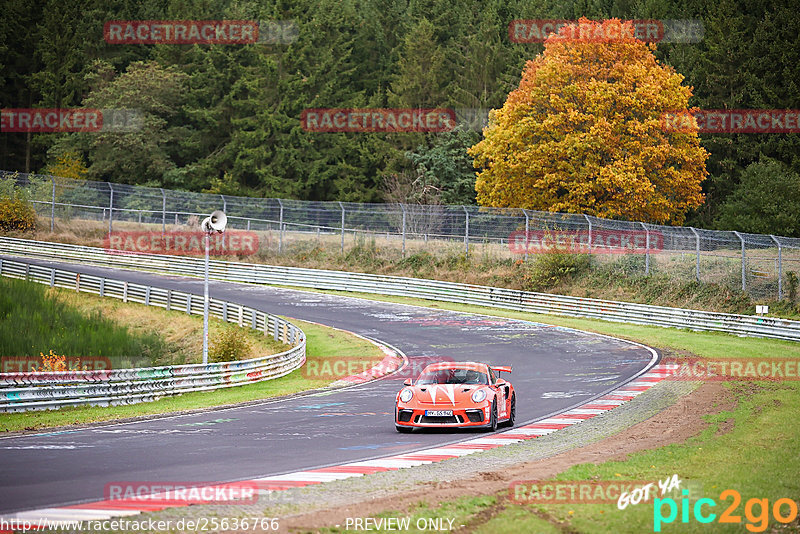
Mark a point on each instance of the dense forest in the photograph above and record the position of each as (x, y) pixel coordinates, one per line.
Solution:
(225, 118)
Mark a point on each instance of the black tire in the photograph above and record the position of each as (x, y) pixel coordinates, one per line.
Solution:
(513, 412)
(403, 429)
(493, 418)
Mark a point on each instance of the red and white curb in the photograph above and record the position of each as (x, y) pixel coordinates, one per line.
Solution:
(107, 509)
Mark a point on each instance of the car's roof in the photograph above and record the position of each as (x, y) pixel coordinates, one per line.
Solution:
(475, 366)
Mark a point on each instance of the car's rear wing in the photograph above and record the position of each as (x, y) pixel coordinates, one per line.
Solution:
(501, 369)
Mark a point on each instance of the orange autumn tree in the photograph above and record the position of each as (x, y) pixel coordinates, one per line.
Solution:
(582, 133)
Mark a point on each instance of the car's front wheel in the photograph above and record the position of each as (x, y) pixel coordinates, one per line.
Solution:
(493, 418)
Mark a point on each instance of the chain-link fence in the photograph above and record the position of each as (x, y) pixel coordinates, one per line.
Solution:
(765, 266)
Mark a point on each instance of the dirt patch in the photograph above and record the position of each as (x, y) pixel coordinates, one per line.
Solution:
(674, 425)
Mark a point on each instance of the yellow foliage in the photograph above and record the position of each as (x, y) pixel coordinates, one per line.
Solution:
(67, 165)
(582, 134)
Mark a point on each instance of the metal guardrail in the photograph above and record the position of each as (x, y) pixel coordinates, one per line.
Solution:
(743, 325)
(30, 391)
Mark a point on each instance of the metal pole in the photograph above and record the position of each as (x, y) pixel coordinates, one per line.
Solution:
(53, 206)
(342, 206)
(590, 231)
(466, 230)
(780, 267)
(527, 233)
(697, 250)
(205, 303)
(744, 282)
(646, 250)
(110, 207)
(224, 204)
(163, 211)
(280, 227)
(402, 207)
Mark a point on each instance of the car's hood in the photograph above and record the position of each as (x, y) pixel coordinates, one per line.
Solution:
(445, 394)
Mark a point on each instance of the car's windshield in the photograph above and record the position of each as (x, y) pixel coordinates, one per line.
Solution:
(453, 376)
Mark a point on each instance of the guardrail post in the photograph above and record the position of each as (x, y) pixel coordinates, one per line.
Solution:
(189, 303)
(27, 272)
(1, 267)
(53, 281)
(147, 296)
(102, 285)
(77, 282)
(280, 227)
(225, 311)
(780, 267)
(744, 260)
(53, 206)
(342, 207)
(241, 316)
(163, 211)
(402, 207)
(466, 230)
(589, 222)
(275, 329)
(169, 299)
(646, 249)
(125, 292)
(254, 319)
(697, 253)
(266, 325)
(110, 207)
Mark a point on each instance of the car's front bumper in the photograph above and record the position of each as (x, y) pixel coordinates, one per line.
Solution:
(476, 417)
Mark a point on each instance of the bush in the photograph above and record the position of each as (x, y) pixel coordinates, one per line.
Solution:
(229, 345)
(550, 269)
(16, 213)
(791, 281)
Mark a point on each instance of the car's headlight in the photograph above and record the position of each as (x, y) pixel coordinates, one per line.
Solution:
(406, 395)
(479, 395)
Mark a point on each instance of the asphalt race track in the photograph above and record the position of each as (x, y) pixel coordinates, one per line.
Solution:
(554, 370)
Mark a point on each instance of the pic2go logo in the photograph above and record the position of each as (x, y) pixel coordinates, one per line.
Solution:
(757, 522)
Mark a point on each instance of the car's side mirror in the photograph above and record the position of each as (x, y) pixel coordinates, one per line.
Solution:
(500, 382)
(408, 382)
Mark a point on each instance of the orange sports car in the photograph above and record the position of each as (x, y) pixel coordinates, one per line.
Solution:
(456, 394)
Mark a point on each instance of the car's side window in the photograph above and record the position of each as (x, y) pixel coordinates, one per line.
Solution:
(492, 379)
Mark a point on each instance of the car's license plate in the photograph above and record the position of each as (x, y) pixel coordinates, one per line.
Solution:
(439, 413)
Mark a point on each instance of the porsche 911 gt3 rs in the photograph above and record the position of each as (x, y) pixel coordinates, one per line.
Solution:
(457, 395)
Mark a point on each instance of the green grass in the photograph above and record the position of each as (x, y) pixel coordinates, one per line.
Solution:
(33, 321)
(322, 343)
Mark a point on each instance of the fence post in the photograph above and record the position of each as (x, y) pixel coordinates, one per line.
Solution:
(466, 230)
(224, 204)
(342, 207)
(53, 206)
(780, 267)
(163, 211)
(590, 231)
(527, 232)
(697, 252)
(646, 249)
(402, 207)
(110, 207)
(280, 227)
(744, 259)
